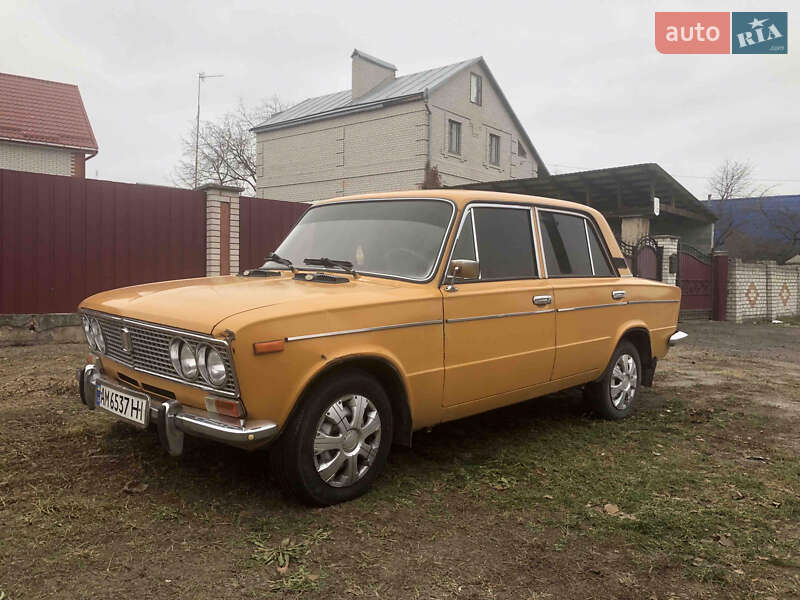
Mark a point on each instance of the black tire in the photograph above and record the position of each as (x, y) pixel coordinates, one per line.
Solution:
(293, 458)
(607, 402)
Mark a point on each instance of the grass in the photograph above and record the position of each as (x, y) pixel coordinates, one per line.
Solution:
(516, 503)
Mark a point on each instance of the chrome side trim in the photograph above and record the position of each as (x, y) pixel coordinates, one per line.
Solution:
(312, 336)
(592, 306)
(652, 301)
(500, 316)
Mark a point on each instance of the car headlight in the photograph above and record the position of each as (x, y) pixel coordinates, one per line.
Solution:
(97, 336)
(211, 365)
(87, 330)
(183, 358)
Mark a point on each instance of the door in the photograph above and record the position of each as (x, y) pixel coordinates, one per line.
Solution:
(589, 296)
(500, 325)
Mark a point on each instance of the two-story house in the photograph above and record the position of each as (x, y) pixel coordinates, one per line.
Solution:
(43, 127)
(386, 130)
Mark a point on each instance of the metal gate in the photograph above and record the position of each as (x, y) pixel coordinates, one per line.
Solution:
(694, 279)
(644, 258)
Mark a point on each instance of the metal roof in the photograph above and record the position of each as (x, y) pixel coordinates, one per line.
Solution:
(405, 87)
(617, 191)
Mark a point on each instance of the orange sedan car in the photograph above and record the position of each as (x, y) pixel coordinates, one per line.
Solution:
(379, 315)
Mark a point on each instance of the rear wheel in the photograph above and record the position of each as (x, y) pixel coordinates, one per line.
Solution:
(615, 394)
(338, 442)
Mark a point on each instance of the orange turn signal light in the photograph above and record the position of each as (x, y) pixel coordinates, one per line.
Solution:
(267, 347)
(224, 406)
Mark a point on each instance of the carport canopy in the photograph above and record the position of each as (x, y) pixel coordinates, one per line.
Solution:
(626, 191)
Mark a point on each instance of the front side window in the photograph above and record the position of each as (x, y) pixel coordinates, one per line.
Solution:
(504, 243)
(494, 149)
(521, 152)
(396, 238)
(571, 246)
(475, 89)
(454, 137)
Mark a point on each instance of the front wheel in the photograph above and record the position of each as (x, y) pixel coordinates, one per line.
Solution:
(337, 443)
(614, 395)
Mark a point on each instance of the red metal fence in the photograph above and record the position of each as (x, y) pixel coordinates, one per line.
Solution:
(262, 226)
(694, 278)
(64, 238)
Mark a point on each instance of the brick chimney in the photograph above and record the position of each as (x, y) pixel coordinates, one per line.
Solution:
(369, 72)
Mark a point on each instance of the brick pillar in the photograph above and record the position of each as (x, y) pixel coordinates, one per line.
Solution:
(719, 282)
(222, 229)
(772, 291)
(734, 308)
(669, 247)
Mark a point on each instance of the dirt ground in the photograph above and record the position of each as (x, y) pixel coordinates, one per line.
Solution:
(695, 496)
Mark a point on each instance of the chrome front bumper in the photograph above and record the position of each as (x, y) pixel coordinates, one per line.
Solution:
(677, 337)
(174, 420)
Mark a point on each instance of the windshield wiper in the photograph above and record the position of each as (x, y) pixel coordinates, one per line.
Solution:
(345, 265)
(281, 261)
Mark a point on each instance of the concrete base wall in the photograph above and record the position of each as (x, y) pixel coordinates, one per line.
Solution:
(58, 328)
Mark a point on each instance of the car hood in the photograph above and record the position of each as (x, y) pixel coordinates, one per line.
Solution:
(199, 304)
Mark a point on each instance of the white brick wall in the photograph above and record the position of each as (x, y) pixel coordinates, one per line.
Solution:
(451, 101)
(359, 153)
(386, 149)
(762, 290)
(35, 158)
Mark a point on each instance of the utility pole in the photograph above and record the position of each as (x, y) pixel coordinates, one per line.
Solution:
(200, 78)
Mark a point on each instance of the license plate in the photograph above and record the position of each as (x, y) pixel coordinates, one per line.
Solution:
(123, 404)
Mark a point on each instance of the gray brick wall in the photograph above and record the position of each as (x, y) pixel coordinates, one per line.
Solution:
(762, 290)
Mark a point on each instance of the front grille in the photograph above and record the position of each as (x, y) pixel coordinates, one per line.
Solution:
(150, 349)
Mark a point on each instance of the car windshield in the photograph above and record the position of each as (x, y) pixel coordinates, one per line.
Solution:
(398, 238)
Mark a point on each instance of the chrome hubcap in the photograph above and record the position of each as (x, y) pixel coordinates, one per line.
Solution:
(347, 440)
(624, 378)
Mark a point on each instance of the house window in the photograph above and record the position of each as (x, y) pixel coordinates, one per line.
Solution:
(475, 89)
(494, 149)
(453, 137)
(521, 152)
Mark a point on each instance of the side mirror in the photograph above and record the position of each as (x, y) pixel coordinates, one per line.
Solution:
(461, 269)
(464, 269)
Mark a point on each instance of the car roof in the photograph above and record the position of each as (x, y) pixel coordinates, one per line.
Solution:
(463, 197)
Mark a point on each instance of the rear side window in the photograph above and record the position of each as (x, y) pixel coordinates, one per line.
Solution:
(566, 251)
(505, 243)
(599, 259)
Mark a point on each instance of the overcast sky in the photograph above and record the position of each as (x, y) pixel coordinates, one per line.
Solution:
(584, 78)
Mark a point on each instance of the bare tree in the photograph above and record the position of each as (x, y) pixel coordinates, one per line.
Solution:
(732, 179)
(785, 221)
(227, 147)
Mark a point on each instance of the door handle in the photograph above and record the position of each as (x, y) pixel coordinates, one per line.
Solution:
(542, 300)
(618, 294)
